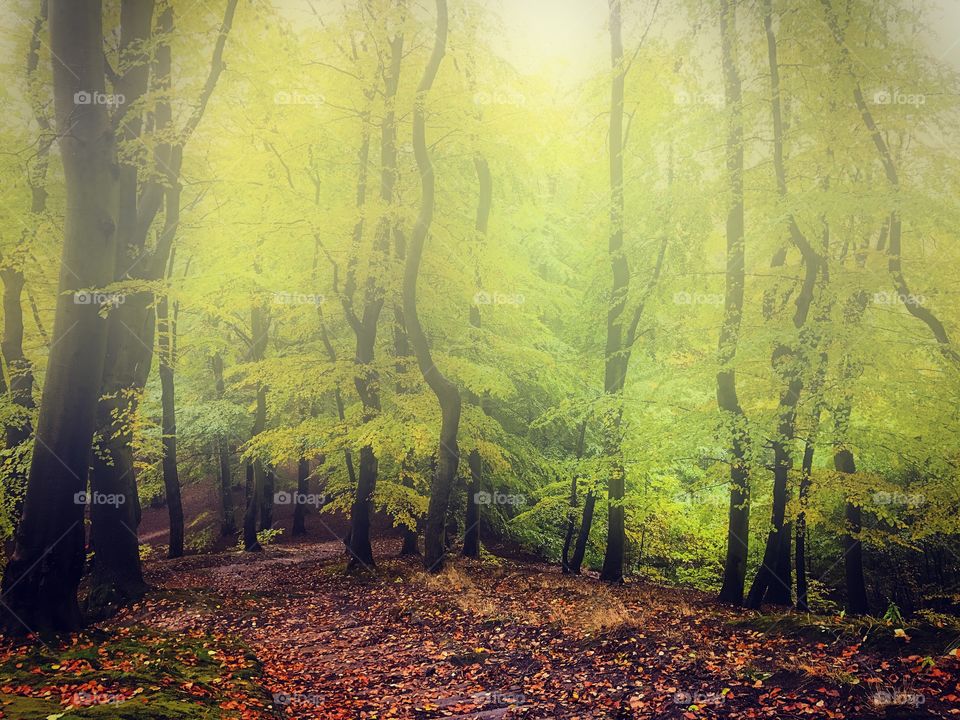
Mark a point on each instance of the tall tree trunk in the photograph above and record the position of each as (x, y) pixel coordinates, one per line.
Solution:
(616, 358)
(116, 576)
(171, 477)
(367, 379)
(583, 535)
(728, 402)
(228, 523)
(266, 500)
(40, 580)
(259, 330)
(303, 487)
(572, 514)
(471, 536)
(447, 393)
(857, 603)
(773, 581)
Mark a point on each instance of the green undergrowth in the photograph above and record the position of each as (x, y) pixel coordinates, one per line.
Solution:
(131, 673)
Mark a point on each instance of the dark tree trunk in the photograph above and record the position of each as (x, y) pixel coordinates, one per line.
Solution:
(228, 524)
(572, 515)
(266, 500)
(801, 552)
(738, 516)
(857, 603)
(580, 549)
(116, 575)
(259, 332)
(616, 355)
(171, 477)
(41, 577)
(471, 535)
(448, 395)
(303, 487)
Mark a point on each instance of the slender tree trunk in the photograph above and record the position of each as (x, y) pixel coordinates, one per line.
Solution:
(580, 549)
(228, 524)
(259, 330)
(471, 537)
(738, 517)
(857, 603)
(171, 476)
(266, 500)
(616, 358)
(447, 393)
(41, 577)
(572, 514)
(303, 487)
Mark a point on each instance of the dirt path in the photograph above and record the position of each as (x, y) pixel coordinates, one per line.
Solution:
(507, 640)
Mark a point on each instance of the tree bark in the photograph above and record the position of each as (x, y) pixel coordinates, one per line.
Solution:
(40, 580)
(471, 536)
(583, 535)
(300, 508)
(565, 565)
(259, 330)
(447, 393)
(616, 357)
(728, 402)
(228, 523)
(171, 476)
(857, 603)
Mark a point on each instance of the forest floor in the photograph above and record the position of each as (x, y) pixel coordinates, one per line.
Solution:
(284, 633)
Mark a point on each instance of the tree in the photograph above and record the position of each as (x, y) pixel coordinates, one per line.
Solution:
(447, 393)
(41, 578)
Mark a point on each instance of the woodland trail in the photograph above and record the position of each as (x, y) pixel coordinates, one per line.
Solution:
(511, 640)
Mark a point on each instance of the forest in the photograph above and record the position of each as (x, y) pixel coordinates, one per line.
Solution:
(480, 359)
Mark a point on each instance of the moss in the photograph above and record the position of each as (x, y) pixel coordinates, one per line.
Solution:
(174, 676)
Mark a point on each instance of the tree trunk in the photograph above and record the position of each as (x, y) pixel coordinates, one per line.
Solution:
(448, 395)
(303, 487)
(471, 536)
(616, 358)
(40, 580)
(259, 332)
(728, 402)
(580, 549)
(228, 524)
(171, 477)
(572, 515)
(857, 603)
